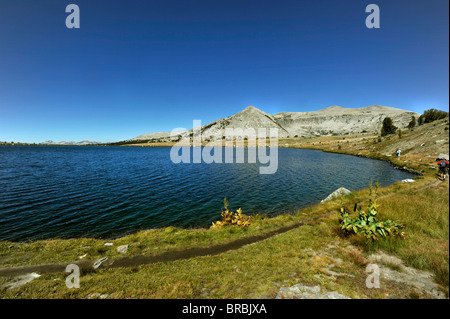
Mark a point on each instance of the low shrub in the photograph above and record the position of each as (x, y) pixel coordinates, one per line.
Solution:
(232, 218)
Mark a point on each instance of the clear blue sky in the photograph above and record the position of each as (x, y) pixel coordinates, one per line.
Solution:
(136, 67)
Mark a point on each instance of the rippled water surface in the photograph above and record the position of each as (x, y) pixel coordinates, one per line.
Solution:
(65, 191)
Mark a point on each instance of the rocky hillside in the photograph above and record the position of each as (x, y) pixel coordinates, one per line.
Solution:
(249, 118)
(151, 136)
(334, 120)
(420, 146)
(423, 143)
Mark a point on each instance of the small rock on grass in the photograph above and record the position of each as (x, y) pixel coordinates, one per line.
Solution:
(98, 262)
(301, 291)
(21, 280)
(122, 249)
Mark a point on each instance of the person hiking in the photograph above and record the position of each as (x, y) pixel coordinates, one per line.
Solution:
(443, 168)
(398, 151)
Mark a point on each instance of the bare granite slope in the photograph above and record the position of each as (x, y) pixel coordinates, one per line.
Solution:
(336, 120)
(150, 136)
(333, 120)
(249, 118)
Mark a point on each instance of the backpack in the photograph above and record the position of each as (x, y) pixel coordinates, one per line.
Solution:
(443, 163)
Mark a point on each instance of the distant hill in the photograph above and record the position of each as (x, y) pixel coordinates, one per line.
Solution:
(333, 120)
(69, 143)
(150, 136)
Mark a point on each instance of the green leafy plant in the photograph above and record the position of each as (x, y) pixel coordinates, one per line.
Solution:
(366, 223)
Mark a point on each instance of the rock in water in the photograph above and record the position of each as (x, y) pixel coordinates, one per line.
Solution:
(339, 192)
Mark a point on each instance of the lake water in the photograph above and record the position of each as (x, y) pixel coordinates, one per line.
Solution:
(80, 191)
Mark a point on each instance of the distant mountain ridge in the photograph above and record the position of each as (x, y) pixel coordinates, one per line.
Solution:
(333, 120)
(85, 142)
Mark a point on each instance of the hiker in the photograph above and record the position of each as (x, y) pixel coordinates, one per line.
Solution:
(399, 151)
(443, 168)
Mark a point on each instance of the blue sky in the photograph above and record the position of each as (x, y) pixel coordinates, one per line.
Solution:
(136, 67)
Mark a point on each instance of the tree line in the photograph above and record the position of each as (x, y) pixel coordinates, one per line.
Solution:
(428, 116)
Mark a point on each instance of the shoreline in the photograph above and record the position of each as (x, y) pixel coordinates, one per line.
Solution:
(322, 148)
(149, 263)
(155, 250)
(274, 215)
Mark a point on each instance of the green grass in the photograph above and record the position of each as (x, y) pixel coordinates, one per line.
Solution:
(258, 270)
(148, 242)
(255, 271)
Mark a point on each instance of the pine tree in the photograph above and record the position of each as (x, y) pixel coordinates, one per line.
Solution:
(388, 127)
(412, 124)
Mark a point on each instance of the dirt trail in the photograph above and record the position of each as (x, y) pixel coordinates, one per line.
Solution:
(138, 260)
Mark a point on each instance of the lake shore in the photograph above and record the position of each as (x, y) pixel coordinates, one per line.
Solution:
(419, 146)
(315, 253)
